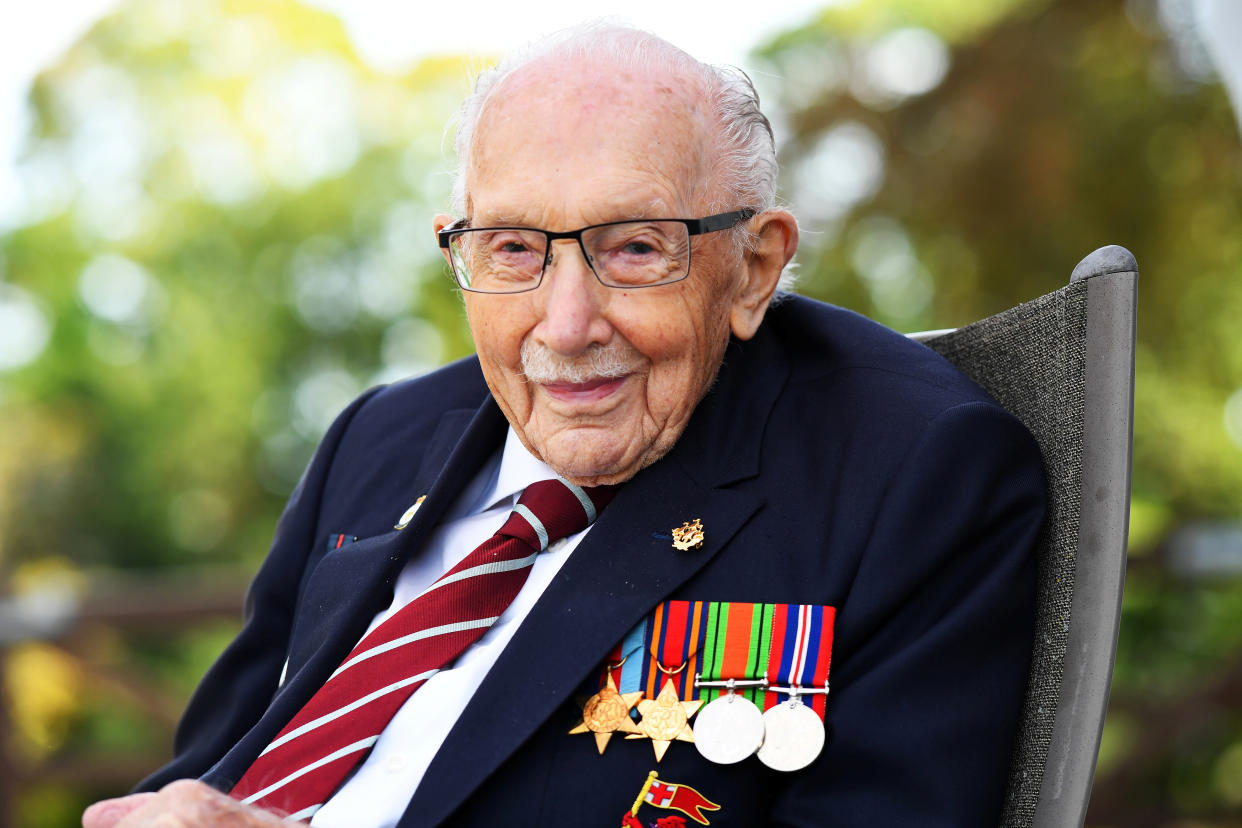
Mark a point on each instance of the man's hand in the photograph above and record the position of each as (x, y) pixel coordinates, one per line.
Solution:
(180, 804)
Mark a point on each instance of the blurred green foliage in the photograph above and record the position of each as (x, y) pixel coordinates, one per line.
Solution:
(228, 235)
(234, 245)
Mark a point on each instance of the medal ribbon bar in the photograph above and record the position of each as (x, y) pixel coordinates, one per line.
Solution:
(771, 651)
(625, 663)
(673, 640)
(801, 654)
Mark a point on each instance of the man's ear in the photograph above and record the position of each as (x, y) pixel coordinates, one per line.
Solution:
(441, 221)
(776, 243)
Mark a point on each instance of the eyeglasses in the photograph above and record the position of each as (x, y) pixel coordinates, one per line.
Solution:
(621, 254)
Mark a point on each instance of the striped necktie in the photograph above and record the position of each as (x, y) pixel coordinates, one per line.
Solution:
(329, 737)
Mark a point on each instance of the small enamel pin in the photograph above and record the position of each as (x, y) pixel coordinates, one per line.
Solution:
(409, 513)
(688, 536)
(672, 796)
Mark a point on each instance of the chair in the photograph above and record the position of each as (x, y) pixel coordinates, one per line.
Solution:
(1064, 365)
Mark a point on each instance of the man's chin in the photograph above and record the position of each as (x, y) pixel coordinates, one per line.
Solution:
(587, 460)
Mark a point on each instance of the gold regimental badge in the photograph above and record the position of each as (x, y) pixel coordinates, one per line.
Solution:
(666, 719)
(606, 713)
(409, 514)
(688, 536)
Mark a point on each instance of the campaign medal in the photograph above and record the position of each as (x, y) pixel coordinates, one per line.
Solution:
(666, 719)
(735, 647)
(728, 729)
(671, 636)
(800, 656)
(793, 736)
(606, 713)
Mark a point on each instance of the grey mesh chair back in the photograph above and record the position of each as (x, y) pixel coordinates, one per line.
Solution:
(1064, 365)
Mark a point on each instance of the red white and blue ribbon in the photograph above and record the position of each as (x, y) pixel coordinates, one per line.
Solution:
(801, 653)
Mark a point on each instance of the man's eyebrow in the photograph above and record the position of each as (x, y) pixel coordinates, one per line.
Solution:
(624, 211)
(649, 209)
(500, 220)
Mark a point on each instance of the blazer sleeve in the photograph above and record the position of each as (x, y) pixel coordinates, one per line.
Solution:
(933, 641)
(239, 686)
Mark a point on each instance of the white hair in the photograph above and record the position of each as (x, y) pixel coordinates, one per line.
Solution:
(745, 167)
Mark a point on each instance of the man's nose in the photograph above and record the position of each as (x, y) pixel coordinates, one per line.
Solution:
(573, 301)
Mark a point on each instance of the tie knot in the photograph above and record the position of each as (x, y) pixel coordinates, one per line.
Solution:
(553, 509)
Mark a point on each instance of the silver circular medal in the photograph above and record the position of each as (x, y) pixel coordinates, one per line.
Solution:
(793, 736)
(728, 729)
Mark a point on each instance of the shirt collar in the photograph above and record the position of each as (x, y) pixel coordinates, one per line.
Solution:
(518, 469)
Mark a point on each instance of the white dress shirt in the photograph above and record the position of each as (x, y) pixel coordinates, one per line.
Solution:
(378, 792)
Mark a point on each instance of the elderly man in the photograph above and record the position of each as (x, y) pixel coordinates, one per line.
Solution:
(438, 637)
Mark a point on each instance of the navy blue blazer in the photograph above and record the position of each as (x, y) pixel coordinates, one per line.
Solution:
(833, 462)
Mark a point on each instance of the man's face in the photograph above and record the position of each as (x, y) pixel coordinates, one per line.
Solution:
(559, 148)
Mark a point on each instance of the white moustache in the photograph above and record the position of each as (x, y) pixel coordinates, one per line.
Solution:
(543, 365)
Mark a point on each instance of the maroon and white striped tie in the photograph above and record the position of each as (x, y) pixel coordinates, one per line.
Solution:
(312, 755)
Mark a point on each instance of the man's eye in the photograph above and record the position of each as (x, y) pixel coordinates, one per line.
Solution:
(512, 246)
(638, 248)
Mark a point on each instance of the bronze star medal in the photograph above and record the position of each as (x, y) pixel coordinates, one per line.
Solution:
(666, 719)
(606, 713)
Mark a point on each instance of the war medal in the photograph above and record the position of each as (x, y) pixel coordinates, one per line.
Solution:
(729, 728)
(672, 635)
(800, 657)
(735, 648)
(666, 719)
(606, 713)
(793, 735)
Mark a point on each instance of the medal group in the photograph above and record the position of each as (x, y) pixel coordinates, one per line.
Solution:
(756, 675)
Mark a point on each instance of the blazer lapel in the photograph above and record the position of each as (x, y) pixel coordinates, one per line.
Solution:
(351, 584)
(355, 582)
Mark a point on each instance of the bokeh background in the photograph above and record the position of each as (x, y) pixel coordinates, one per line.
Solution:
(215, 230)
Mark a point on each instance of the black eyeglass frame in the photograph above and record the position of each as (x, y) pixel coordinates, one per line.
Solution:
(694, 227)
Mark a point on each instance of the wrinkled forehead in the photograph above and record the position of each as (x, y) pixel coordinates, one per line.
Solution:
(562, 129)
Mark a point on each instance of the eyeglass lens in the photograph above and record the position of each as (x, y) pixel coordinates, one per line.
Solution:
(630, 254)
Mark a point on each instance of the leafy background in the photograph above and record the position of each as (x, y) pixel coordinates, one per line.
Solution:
(225, 236)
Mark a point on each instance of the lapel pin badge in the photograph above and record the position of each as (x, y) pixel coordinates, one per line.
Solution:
(670, 796)
(409, 513)
(689, 535)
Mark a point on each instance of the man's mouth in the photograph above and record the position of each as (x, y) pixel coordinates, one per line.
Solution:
(583, 392)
